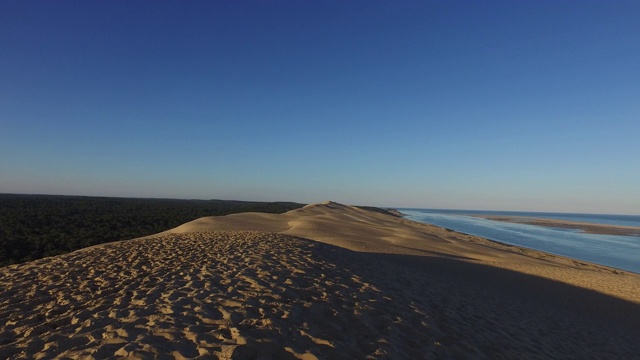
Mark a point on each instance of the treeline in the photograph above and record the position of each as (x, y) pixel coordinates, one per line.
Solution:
(36, 226)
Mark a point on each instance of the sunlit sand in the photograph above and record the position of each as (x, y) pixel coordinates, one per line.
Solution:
(327, 281)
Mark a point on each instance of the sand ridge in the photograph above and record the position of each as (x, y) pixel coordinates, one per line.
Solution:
(362, 230)
(200, 292)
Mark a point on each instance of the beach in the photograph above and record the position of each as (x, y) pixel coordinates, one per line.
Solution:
(327, 281)
(589, 228)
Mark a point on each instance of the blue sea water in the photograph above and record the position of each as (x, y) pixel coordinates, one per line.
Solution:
(622, 252)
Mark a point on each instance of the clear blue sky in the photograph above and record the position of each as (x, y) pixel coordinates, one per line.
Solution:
(512, 105)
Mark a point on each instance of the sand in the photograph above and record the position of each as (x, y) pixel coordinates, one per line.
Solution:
(327, 281)
(588, 228)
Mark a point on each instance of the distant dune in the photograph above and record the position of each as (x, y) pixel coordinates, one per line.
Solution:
(325, 281)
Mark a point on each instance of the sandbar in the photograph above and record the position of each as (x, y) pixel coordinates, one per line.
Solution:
(589, 228)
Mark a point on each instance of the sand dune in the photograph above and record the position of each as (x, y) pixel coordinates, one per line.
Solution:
(326, 281)
(361, 230)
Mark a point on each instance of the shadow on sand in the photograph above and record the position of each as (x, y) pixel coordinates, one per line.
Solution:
(467, 309)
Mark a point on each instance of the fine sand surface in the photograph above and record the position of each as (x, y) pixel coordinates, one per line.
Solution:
(588, 228)
(326, 281)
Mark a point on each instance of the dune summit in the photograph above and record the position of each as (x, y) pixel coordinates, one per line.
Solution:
(324, 281)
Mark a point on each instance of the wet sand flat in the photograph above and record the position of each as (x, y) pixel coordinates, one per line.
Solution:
(589, 228)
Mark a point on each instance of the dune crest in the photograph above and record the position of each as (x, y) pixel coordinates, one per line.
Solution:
(362, 230)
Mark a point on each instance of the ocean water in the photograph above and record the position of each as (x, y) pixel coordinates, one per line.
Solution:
(622, 252)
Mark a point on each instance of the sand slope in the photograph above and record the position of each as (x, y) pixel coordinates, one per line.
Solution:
(213, 289)
(361, 230)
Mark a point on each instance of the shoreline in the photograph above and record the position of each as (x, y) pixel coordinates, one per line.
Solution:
(587, 228)
(541, 254)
